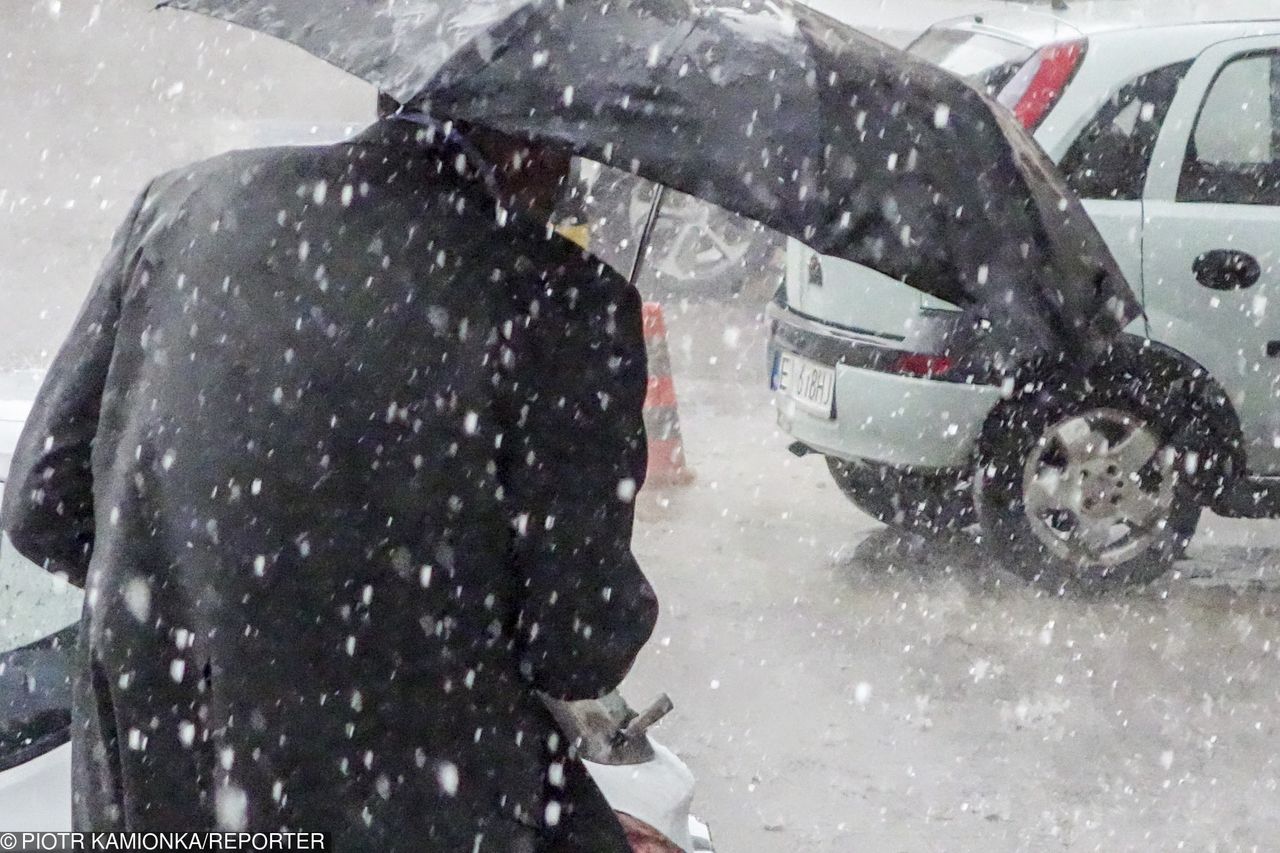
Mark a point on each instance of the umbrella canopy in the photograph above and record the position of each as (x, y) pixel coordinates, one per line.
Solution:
(768, 109)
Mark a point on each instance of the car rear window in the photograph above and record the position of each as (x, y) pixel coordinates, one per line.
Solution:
(984, 60)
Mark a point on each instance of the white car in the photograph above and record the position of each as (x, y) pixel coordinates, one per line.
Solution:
(1165, 119)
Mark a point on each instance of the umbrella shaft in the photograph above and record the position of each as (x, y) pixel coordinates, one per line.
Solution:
(655, 210)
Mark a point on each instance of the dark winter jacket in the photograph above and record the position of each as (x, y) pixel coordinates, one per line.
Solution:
(344, 458)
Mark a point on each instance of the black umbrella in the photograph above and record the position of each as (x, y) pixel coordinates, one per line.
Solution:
(763, 107)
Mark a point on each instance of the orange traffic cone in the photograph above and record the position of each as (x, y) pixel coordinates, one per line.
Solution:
(667, 466)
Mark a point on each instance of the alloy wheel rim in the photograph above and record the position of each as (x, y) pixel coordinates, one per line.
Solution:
(1099, 488)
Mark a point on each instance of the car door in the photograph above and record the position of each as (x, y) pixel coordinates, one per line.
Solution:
(1108, 161)
(1211, 243)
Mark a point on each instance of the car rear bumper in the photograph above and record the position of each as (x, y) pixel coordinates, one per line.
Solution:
(880, 416)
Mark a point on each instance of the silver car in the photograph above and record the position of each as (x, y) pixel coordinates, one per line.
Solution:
(1168, 131)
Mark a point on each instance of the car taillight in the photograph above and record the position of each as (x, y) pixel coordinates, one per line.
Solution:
(644, 838)
(1038, 85)
(922, 365)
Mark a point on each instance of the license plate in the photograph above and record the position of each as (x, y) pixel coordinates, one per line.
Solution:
(811, 386)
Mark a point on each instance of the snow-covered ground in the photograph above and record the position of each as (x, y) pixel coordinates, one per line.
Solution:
(840, 690)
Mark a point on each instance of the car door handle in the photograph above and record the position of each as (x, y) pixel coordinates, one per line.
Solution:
(1227, 269)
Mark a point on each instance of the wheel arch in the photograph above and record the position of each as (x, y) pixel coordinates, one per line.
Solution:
(1220, 415)
(1204, 419)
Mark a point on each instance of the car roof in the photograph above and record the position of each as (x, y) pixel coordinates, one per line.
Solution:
(1036, 25)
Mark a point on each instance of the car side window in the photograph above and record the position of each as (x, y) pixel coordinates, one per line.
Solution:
(1111, 157)
(1234, 153)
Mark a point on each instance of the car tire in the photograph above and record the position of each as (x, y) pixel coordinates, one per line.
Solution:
(1081, 484)
(923, 503)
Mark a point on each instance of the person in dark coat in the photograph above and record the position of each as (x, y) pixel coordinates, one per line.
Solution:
(343, 448)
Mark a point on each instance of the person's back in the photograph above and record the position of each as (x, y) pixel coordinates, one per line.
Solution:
(347, 479)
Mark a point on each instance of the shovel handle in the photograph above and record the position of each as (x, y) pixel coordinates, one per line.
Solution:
(638, 727)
